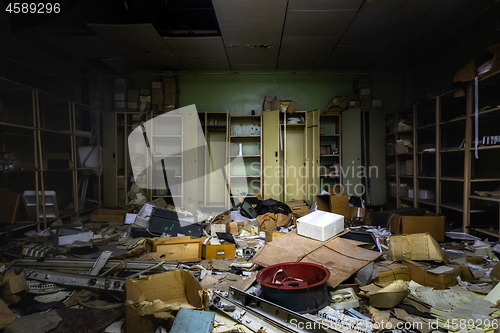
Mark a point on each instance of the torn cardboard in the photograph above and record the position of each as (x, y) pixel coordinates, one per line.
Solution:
(174, 289)
(415, 247)
(340, 257)
(429, 222)
(390, 296)
(419, 272)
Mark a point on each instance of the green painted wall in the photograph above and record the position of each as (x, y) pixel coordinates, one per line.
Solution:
(243, 92)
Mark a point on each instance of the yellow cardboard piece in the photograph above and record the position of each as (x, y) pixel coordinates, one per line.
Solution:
(415, 247)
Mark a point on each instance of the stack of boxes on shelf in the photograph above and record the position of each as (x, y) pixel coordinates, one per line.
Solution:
(165, 95)
(271, 103)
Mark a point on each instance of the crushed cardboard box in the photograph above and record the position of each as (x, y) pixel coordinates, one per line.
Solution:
(415, 247)
(340, 257)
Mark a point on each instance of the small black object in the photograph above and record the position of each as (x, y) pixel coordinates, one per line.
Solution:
(166, 221)
(253, 112)
(247, 210)
(225, 236)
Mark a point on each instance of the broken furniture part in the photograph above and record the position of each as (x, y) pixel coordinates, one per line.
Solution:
(344, 299)
(64, 235)
(75, 280)
(300, 287)
(38, 250)
(36, 287)
(86, 264)
(168, 222)
(47, 204)
(257, 313)
(338, 320)
(99, 263)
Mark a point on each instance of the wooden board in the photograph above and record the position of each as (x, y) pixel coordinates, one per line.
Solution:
(9, 205)
(178, 249)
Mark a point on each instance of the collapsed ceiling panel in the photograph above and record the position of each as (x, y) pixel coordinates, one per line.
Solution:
(317, 23)
(81, 47)
(139, 43)
(324, 4)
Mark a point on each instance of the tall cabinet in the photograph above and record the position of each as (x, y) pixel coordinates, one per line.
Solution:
(330, 154)
(363, 155)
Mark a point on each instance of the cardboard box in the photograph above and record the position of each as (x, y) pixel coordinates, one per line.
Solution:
(132, 95)
(337, 204)
(292, 106)
(357, 213)
(353, 97)
(425, 194)
(170, 288)
(320, 225)
(132, 106)
(120, 95)
(122, 83)
(339, 256)
(419, 273)
(364, 93)
(389, 149)
(361, 82)
(268, 106)
(325, 150)
(63, 236)
(120, 106)
(145, 92)
(272, 235)
(365, 104)
(157, 87)
(401, 148)
(354, 105)
(15, 287)
(108, 215)
(218, 251)
(178, 249)
(430, 222)
(376, 103)
(276, 105)
(403, 190)
(406, 167)
(389, 271)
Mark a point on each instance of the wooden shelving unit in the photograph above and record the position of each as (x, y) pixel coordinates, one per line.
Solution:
(459, 176)
(37, 124)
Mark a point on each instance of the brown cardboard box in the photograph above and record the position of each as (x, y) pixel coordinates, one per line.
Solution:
(338, 204)
(389, 149)
(365, 104)
(171, 288)
(132, 95)
(276, 105)
(123, 83)
(218, 251)
(389, 271)
(325, 150)
(178, 249)
(292, 107)
(415, 247)
(132, 106)
(354, 105)
(430, 222)
(157, 87)
(401, 148)
(272, 235)
(419, 273)
(108, 215)
(15, 287)
(120, 95)
(58, 161)
(357, 213)
(267, 106)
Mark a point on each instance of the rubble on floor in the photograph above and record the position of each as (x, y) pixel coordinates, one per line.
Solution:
(152, 268)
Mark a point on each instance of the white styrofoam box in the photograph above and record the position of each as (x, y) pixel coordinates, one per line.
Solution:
(320, 225)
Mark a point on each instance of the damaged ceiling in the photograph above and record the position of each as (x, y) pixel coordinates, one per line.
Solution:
(221, 35)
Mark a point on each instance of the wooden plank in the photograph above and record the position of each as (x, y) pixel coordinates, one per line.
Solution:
(438, 153)
(9, 205)
(467, 160)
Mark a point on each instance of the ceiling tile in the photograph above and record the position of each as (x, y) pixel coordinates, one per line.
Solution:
(378, 11)
(210, 64)
(362, 54)
(251, 35)
(121, 65)
(252, 66)
(256, 19)
(346, 65)
(83, 46)
(370, 34)
(139, 43)
(196, 47)
(248, 6)
(305, 47)
(324, 4)
(257, 53)
(310, 63)
(317, 23)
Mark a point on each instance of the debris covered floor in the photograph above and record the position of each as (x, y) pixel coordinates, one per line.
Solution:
(288, 268)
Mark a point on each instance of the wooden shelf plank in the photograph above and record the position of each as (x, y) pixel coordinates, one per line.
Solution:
(483, 198)
(457, 206)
